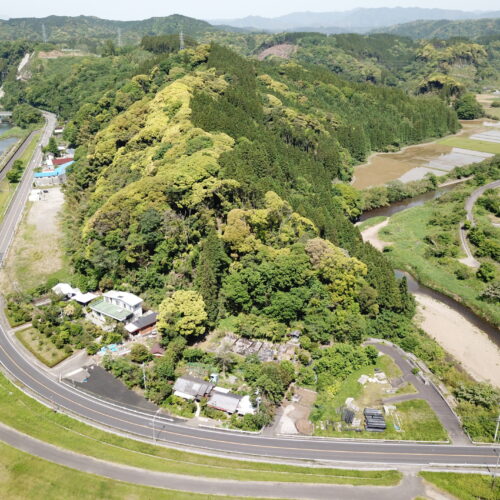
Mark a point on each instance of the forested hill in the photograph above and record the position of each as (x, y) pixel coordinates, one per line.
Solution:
(418, 66)
(442, 29)
(219, 177)
(65, 28)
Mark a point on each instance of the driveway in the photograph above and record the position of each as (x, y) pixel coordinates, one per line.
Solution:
(427, 392)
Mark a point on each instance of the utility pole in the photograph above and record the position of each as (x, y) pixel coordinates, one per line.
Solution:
(496, 430)
(495, 471)
(154, 417)
(144, 376)
(181, 40)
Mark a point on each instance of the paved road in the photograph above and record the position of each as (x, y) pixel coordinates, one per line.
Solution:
(15, 211)
(409, 488)
(469, 206)
(427, 392)
(140, 422)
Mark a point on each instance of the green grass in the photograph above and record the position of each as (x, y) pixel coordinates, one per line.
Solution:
(7, 190)
(466, 143)
(465, 486)
(15, 132)
(24, 476)
(371, 222)
(28, 153)
(407, 230)
(416, 420)
(41, 347)
(30, 417)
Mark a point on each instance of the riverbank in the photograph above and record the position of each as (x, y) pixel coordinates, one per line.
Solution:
(477, 354)
(473, 349)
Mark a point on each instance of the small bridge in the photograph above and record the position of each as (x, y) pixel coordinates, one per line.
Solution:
(5, 116)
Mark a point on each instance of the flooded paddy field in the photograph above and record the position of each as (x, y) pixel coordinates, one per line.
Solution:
(437, 157)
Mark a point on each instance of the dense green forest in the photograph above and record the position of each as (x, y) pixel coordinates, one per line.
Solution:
(469, 28)
(214, 186)
(446, 66)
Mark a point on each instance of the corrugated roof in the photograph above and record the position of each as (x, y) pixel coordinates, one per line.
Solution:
(56, 172)
(110, 310)
(224, 401)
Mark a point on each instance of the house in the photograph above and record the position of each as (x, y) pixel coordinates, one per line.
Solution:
(117, 306)
(125, 300)
(58, 130)
(52, 176)
(192, 388)
(224, 401)
(85, 298)
(56, 162)
(66, 290)
(143, 325)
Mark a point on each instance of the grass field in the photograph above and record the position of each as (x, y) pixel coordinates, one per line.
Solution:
(407, 231)
(41, 347)
(6, 192)
(30, 417)
(23, 476)
(465, 486)
(472, 144)
(14, 132)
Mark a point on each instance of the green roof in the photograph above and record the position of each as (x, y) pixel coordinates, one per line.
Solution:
(111, 310)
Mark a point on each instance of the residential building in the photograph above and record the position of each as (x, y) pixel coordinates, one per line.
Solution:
(53, 176)
(126, 300)
(192, 388)
(66, 290)
(144, 325)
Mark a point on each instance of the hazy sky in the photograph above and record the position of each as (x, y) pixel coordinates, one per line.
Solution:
(206, 9)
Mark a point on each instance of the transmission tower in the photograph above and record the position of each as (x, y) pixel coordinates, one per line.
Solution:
(119, 37)
(181, 40)
(44, 33)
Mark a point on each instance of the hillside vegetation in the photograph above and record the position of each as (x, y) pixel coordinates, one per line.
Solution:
(444, 28)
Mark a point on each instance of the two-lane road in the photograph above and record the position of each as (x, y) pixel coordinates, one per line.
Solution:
(65, 398)
(120, 419)
(15, 210)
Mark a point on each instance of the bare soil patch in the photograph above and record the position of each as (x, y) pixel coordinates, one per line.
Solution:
(283, 50)
(36, 252)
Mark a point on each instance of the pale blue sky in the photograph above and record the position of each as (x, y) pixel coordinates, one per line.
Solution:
(206, 9)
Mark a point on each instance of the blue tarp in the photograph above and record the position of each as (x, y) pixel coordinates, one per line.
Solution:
(60, 170)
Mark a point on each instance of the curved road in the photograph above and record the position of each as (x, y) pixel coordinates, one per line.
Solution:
(140, 423)
(469, 206)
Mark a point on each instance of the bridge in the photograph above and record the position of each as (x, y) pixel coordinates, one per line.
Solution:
(5, 116)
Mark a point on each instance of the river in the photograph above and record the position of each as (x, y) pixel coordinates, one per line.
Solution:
(399, 206)
(472, 341)
(6, 144)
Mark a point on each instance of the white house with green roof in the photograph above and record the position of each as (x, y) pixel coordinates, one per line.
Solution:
(116, 306)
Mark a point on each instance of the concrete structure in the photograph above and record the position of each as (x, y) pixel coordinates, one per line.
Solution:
(125, 300)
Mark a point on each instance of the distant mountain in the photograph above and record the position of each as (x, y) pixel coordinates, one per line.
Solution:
(357, 20)
(445, 29)
(63, 28)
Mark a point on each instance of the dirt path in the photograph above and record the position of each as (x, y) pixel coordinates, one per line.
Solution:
(371, 235)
